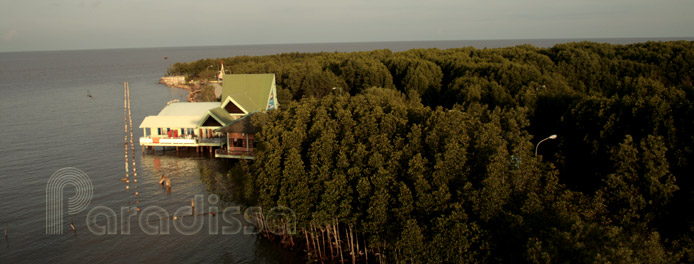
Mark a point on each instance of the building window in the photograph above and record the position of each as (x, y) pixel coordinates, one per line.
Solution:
(238, 143)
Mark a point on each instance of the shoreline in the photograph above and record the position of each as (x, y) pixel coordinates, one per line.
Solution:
(478, 43)
(195, 88)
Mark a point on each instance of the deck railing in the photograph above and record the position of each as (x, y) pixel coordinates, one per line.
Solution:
(180, 140)
(211, 140)
(244, 152)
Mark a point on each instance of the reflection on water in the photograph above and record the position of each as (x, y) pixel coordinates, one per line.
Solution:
(49, 123)
(183, 169)
(187, 170)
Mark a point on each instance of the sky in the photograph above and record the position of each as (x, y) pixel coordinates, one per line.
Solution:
(29, 25)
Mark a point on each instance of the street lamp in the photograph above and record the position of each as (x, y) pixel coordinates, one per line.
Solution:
(338, 88)
(538, 143)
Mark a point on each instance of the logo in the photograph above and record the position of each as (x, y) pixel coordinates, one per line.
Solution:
(54, 197)
(155, 220)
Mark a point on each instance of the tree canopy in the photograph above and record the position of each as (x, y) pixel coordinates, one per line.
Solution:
(430, 154)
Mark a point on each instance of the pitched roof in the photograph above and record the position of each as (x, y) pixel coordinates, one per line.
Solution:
(250, 91)
(241, 125)
(221, 115)
(171, 121)
(218, 114)
(187, 109)
(230, 104)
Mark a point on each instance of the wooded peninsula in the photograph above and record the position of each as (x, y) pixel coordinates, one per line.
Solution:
(431, 156)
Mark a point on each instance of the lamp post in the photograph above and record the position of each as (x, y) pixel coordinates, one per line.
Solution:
(334, 88)
(538, 143)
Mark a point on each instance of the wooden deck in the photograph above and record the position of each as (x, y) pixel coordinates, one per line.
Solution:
(181, 142)
(234, 154)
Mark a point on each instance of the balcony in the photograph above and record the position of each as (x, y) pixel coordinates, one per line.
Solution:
(182, 141)
(234, 153)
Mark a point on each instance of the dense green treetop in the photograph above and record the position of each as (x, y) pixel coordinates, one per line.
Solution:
(431, 153)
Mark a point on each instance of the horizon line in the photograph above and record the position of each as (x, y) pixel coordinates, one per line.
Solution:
(578, 39)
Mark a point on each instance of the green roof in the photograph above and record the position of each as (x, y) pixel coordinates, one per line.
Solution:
(188, 109)
(241, 125)
(221, 115)
(250, 91)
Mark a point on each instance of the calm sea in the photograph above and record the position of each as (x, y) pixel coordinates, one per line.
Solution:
(49, 123)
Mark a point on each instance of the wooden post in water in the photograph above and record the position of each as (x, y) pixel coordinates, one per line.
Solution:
(192, 206)
(72, 225)
(130, 121)
(125, 127)
(164, 180)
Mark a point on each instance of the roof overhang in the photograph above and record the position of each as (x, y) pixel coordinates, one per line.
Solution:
(170, 121)
(231, 100)
(218, 114)
(241, 125)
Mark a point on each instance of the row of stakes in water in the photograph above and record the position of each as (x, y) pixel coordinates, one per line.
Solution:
(128, 117)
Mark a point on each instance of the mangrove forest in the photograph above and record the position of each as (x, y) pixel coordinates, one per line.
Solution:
(432, 156)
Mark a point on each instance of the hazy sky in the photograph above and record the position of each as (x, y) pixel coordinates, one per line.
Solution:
(94, 24)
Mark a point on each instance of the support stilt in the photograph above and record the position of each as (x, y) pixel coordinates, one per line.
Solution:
(192, 206)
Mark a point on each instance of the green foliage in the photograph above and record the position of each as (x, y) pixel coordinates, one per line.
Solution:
(438, 164)
(207, 94)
